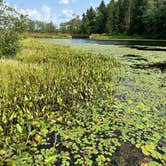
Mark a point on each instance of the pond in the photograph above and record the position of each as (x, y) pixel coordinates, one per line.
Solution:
(111, 42)
(139, 92)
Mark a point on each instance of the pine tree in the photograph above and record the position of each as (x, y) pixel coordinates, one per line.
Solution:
(110, 18)
(137, 22)
(125, 15)
(116, 25)
(101, 18)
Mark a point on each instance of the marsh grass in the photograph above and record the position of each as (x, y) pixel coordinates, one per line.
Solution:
(49, 35)
(50, 97)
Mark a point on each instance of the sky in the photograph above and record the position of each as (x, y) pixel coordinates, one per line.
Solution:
(53, 10)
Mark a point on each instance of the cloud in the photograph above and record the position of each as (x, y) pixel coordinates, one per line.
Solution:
(32, 13)
(44, 14)
(64, 1)
(68, 13)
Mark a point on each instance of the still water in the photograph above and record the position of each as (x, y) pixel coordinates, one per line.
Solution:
(109, 42)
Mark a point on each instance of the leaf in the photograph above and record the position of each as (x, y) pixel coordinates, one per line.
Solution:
(59, 100)
(37, 138)
(19, 128)
(138, 146)
(50, 159)
(150, 147)
(145, 151)
(12, 116)
(153, 163)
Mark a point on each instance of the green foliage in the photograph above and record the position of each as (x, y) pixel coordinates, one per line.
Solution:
(142, 17)
(88, 24)
(53, 109)
(62, 106)
(9, 42)
(138, 115)
(116, 36)
(40, 26)
(72, 26)
(49, 35)
(12, 24)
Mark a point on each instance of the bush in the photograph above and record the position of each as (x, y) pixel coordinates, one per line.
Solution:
(9, 42)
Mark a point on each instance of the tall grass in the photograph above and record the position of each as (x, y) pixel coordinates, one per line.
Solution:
(49, 35)
(50, 96)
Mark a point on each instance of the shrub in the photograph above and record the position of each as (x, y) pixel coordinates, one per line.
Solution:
(9, 42)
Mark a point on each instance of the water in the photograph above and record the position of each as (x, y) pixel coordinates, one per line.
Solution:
(111, 42)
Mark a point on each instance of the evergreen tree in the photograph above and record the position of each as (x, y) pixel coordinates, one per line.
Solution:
(83, 27)
(101, 18)
(138, 13)
(110, 18)
(125, 15)
(91, 21)
(161, 18)
(144, 17)
(116, 25)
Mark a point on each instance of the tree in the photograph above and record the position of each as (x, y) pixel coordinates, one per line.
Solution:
(11, 25)
(110, 17)
(137, 22)
(83, 27)
(116, 25)
(50, 27)
(72, 26)
(30, 25)
(125, 15)
(161, 18)
(101, 18)
(144, 17)
(89, 21)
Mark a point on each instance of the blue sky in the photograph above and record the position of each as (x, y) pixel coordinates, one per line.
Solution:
(53, 10)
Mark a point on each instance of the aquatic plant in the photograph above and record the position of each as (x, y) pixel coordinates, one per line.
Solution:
(53, 98)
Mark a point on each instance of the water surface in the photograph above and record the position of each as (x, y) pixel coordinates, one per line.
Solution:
(110, 42)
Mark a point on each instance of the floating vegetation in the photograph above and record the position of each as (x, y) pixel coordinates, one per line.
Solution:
(146, 48)
(159, 65)
(63, 106)
(140, 103)
(135, 57)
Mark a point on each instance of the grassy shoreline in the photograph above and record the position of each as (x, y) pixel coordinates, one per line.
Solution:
(123, 37)
(49, 35)
(95, 37)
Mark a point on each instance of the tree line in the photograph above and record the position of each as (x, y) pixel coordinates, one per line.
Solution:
(40, 26)
(143, 17)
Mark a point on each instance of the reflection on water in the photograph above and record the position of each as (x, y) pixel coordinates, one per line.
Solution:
(110, 42)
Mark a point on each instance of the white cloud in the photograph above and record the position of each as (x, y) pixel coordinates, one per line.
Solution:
(32, 13)
(68, 13)
(44, 14)
(46, 9)
(64, 1)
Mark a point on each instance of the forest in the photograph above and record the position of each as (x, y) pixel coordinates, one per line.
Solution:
(142, 17)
